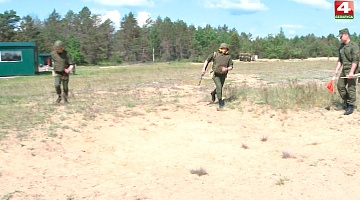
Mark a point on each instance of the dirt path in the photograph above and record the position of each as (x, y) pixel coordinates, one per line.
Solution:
(149, 153)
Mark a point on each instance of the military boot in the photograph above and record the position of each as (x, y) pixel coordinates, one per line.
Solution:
(58, 99)
(349, 110)
(221, 105)
(65, 95)
(342, 106)
(213, 93)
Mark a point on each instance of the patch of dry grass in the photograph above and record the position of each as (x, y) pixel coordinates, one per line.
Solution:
(244, 146)
(286, 155)
(200, 172)
(282, 181)
(290, 95)
(27, 102)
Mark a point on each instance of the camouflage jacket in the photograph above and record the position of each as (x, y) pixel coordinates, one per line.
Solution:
(61, 60)
(348, 54)
(219, 60)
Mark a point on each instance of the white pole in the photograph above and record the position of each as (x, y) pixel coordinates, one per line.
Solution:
(153, 55)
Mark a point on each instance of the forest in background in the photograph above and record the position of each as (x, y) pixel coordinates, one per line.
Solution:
(92, 41)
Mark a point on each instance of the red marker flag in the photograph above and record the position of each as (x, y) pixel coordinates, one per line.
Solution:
(330, 85)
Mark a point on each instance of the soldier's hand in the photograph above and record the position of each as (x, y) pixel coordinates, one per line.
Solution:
(68, 70)
(203, 72)
(351, 75)
(224, 69)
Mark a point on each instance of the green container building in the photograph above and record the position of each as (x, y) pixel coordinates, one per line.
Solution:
(18, 58)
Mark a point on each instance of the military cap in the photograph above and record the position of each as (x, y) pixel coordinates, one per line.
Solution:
(59, 45)
(343, 31)
(223, 45)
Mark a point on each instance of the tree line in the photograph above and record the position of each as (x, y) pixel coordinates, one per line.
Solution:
(92, 41)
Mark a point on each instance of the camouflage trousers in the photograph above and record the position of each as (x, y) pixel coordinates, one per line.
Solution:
(64, 79)
(347, 88)
(219, 80)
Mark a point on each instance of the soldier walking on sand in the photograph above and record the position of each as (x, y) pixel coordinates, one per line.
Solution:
(222, 64)
(349, 60)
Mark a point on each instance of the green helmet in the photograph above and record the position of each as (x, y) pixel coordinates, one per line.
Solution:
(59, 45)
(223, 45)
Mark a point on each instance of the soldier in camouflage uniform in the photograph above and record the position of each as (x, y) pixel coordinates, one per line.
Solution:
(349, 60)
(222, 64)
(62, 63)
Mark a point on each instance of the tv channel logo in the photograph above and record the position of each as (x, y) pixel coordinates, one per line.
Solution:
(344, 9)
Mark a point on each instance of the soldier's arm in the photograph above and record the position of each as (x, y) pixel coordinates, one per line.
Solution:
(339, 64)
(355, 59)
(352, 70)
(231, 65)
(355, 54)
(206, 63)
(204, 67)
(52, 59)
(71, 64)
(337, 68)
(70, 60)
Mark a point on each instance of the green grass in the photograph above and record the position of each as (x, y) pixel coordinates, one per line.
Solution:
(27, 102)
(9, 195)
(3, 134)
(283, 71)
(282, 181)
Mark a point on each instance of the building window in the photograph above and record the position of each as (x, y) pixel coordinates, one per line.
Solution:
(11, 56)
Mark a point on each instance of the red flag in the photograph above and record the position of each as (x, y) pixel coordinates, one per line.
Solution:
(330, 85)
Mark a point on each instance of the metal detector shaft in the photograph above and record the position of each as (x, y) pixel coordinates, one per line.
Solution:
(355, 76)
(200, 80)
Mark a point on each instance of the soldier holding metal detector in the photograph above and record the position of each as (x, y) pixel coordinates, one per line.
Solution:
(348, 60)
(222, 64)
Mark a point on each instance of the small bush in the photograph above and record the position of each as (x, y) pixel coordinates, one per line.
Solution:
(244, 146)
(282, 181)
(287, 155)
(264, 139)
(199, 172)
(116, 59)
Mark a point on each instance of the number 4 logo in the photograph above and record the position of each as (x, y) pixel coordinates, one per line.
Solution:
(344, 9)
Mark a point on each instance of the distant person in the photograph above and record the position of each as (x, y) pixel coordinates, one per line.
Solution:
(348, 60)
(222, 64)
(62, 66)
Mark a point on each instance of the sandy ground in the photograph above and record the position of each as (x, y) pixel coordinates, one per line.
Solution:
(154, 152)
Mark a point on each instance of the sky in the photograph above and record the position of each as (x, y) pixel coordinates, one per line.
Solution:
(260, 18)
